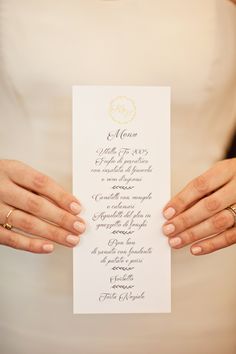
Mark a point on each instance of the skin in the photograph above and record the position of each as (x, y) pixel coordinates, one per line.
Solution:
(42, 209)
(196, 216)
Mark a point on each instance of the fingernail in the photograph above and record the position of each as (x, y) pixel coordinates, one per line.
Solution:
(48, 248)
(176, 241)
(79, 226)
(196, 250)
(169, 213)
(76, 208)
(168, 229)
(73, 240)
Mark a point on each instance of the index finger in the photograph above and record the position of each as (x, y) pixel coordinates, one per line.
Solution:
(208, 182)
(27, 177)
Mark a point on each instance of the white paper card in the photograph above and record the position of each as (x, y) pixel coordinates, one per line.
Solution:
(121, 175)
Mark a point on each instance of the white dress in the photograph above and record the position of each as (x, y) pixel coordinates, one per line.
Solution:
(46, 47)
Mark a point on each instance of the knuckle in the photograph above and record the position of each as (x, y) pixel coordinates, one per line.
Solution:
(26, 224)
(33, 246)
(210, 246)
(33, 204)
(64, 198)
(180, 202)
(63, 219)
(58, 236)
(212, 204)
(39, 181)
(185, 221)
(230, 238)
(189, 236)
(13, 241)
(201, 184)
(221, 222)
(54, 234)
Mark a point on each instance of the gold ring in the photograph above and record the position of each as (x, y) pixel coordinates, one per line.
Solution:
(6, 224)
(232, 209)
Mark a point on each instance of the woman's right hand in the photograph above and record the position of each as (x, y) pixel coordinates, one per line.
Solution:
(41, 208)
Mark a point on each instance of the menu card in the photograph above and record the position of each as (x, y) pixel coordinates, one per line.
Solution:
(121, 175)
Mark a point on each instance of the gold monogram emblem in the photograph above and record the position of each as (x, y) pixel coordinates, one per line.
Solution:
(122, 109)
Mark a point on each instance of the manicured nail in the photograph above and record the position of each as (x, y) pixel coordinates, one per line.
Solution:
(169, 213)
(76, 208)
(73, 240)
(79, 226)
(176, 241)
(196, 250)
(48, 248)
(168, 229)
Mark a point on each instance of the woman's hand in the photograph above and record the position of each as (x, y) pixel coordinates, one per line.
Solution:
(197, 214)
(41, 208)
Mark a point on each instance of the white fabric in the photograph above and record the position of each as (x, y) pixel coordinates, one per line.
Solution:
(46, 47)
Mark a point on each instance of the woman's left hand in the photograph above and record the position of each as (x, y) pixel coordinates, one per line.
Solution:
(198, 213)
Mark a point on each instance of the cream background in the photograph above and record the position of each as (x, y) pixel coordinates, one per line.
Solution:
(48, 46)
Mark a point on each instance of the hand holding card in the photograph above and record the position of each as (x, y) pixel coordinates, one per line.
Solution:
(121, 173)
